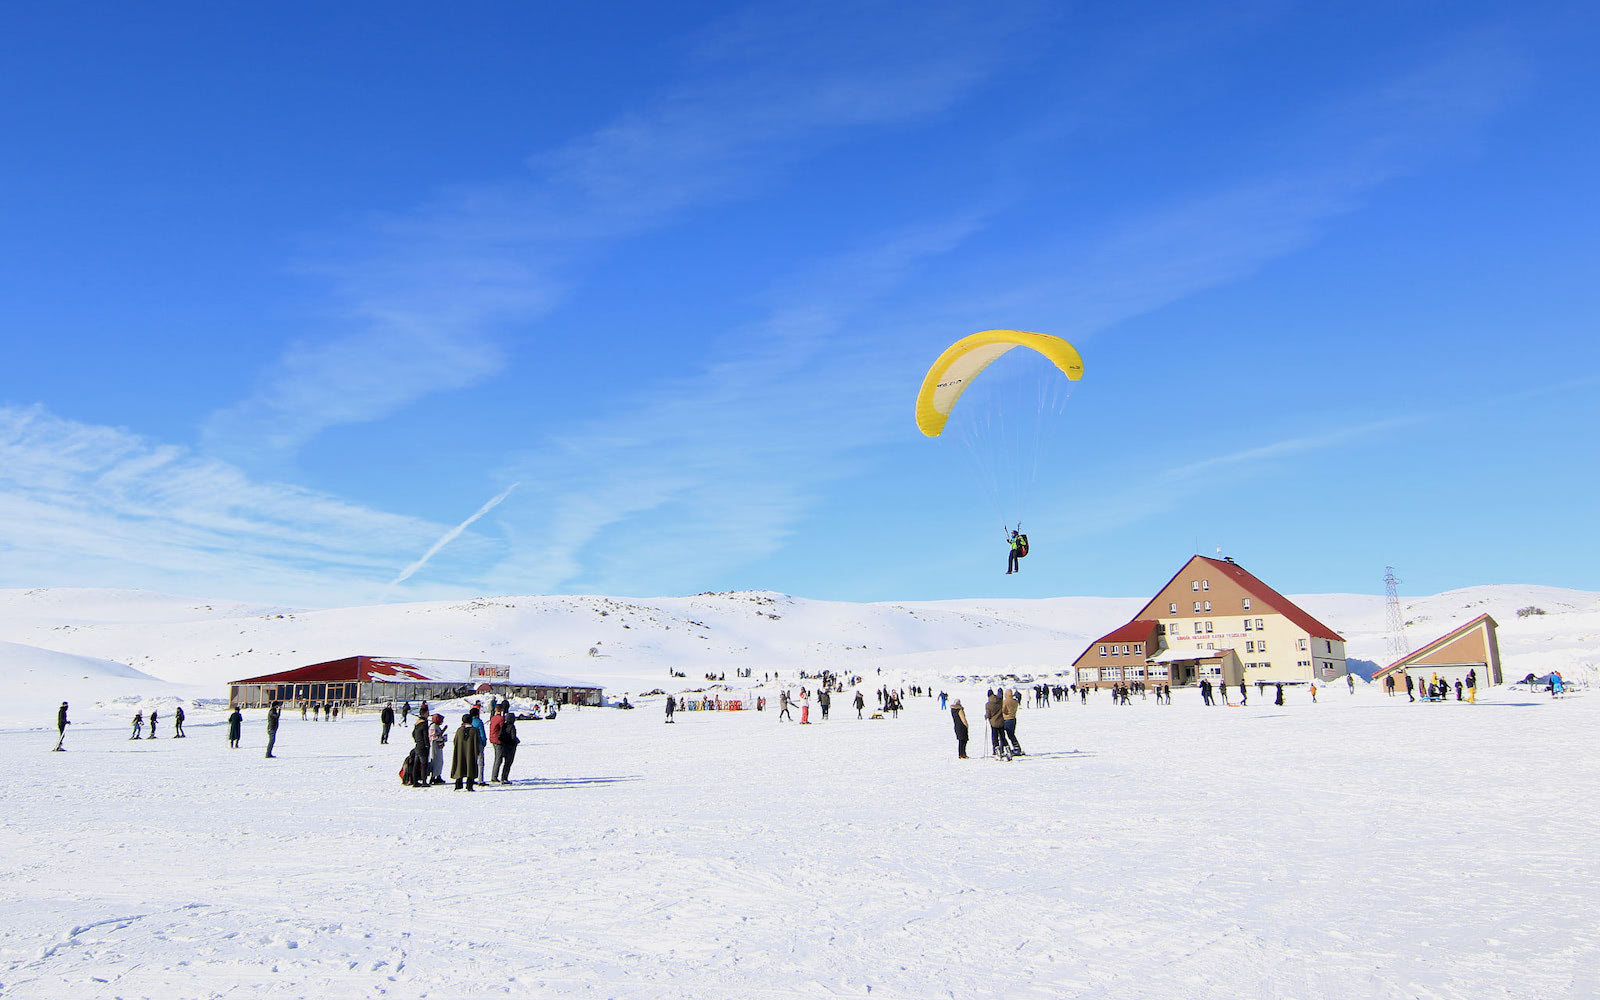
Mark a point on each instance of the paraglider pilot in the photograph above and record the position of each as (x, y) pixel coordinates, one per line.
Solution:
(1016, 551)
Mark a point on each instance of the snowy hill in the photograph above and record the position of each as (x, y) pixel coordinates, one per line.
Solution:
(637, 641)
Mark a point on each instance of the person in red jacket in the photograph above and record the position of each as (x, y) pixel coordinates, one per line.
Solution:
(497, 723)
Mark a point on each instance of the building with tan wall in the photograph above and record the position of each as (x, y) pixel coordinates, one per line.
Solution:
(1473, 648)
(1118, 656)
(1213, 605)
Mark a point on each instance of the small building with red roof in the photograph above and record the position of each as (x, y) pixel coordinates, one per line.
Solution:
(1119, 655)
(369, 680)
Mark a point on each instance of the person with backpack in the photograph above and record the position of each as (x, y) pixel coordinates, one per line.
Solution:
(1019, 547)
(508, 750)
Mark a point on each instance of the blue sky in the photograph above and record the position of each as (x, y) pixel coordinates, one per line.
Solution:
(290, 293)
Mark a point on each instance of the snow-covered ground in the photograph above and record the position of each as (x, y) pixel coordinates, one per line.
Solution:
(1363, 846)
(1360, 847)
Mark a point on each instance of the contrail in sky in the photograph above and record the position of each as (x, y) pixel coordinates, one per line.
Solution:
(450, 536)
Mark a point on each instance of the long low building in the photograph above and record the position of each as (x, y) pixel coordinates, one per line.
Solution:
(369, 680)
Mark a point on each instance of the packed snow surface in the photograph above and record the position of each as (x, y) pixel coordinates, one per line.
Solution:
(1359, 846)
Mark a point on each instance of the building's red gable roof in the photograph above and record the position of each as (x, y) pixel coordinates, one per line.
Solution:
(346, 669)
(1138, 630)
(1449, 636)
(1261, 592)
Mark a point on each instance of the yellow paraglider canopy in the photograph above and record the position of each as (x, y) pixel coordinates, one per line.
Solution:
(965, 359)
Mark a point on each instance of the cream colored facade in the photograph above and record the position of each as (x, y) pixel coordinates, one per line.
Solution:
(1215, 604)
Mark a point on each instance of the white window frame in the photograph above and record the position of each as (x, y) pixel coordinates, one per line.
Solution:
(1247, 604)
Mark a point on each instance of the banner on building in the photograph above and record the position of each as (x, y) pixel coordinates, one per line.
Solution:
(491, 673)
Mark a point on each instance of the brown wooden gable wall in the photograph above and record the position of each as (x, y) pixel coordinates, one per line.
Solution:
(1226, 596)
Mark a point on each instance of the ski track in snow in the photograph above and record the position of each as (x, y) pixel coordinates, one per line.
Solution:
(1362, 847)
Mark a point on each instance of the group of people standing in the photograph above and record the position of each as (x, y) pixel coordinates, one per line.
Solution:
(471, 740)
(1436, 688)
(1000, 712)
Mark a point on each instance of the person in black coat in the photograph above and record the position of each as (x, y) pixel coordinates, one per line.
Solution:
(235, 728)
(272, 725)
(61, 726)
(153, 715)
(1280, 695)
(177, 724)
(959, 716)
(387, 718)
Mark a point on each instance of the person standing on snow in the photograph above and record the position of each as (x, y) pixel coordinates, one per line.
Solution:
(422, 751)
(61, 726)
(152, 725)
(437, 737)
(860, 704)
(138, 725)
(672, 706)
(783, 706)
(235, 728)
(508, 749)
(996, 720)
(958, 715)
(1008, 716)
(405, 711)
(1280, 695)
(1350, 679)
(497, 724)
(177, 724)
(387, 718)
(823, 700)
(805, 708)
(272, 725)
(483, 736)
(1411, 687)
(468, 751)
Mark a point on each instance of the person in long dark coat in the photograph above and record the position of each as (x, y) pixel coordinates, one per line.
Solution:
(61, 726)
(464, 755)
(153, 715)
(235, 728)
(959, 716)
(387, 718)
(177, 724)
(1280, 695)
(272, 725)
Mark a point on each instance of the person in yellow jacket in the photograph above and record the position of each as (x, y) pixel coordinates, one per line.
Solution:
(958, 715)
(1009, 704)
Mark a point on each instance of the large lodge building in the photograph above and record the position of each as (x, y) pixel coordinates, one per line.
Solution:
(1214, 621)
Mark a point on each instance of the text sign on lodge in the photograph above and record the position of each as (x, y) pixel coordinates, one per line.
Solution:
(493, 673)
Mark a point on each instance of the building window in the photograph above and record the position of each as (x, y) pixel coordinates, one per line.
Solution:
(1138, 647)
(1247, 604)
(1196, 607)
(1329, 643)
(1247, 625)
(1208, 626)
(1261, 647)
(1258, 625)
(1194, 585)
(1172, 608)
(1208, 605)
(1102, 651)
(1302, 644)
(1205, 584)
(1250, 647)
(1124, 649)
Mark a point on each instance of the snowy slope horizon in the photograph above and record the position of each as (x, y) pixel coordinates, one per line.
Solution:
(206, 643)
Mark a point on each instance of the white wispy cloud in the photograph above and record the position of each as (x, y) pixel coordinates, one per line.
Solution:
(83, 505)
(429, 299)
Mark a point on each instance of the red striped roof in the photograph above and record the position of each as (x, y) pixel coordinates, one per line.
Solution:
(1138, 630)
